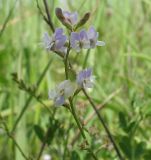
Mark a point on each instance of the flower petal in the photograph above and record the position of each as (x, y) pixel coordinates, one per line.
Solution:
(75, 41)
(60, 42)
(92, 34)
(47, 41)
(58, 32)
(59, 101)
(83, 35)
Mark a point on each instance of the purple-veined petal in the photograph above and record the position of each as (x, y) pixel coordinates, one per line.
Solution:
(71, 18)
(58, 32)
(59, 101)
(85, 78)
(74, 18)
(66, 14)
(84, 39)
(60, 42)
(47, 41)
(75, 41)
(92, 34)
(75, 36)
(83, 35)
(88, 72)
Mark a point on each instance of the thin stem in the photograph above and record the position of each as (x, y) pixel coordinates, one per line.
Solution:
(44, 143)
(13, 139)
(48, 16)
(104, 125)
(86, 58)
(72, 107)
(76, 119)
(80, 128)
(30, 98)
(7, 18)
(66, 61)
(91, 116)
(46, 107)
(46, 138)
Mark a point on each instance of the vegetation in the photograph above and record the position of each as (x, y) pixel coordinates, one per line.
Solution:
(31, 127)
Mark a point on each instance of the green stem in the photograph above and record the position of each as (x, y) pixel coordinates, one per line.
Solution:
(72, 107)
(80, 128)
(44, 143)
(104, 125)
(30, 98)
(13, 139)
(66, 61)
(86, 58)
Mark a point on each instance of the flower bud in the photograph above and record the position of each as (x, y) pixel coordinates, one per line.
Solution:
(62, 19)
(83, 20)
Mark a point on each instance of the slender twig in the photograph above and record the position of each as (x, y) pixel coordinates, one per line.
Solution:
(48, 18)
(66, 143)
(13, 139)
(7, 18)
(46, 137)
(48, 15)
(40, 11)
(102, 105)
(44, 143)
(66, 61)
(80, 128)
(104, 125)
(30, 98)
(91, 116)
(86, 58)
(73, 110)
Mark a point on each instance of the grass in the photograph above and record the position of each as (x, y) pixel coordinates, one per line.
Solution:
(124, 63)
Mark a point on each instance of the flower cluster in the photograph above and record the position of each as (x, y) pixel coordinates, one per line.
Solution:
(85, 39)
(58, 42)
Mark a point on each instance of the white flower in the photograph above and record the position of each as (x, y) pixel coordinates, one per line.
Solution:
(63, 91)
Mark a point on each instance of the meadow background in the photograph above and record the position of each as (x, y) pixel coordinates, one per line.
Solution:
(123, 80)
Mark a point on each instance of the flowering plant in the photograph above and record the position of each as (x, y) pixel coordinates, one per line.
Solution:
(64, 93)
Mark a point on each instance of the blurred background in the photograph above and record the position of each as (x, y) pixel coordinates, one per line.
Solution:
(122, 86)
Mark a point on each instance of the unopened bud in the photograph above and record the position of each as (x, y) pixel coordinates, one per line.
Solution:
(83, 20)
(62, 19)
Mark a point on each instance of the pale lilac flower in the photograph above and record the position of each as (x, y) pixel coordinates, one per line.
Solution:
(56, 42)
(93, 38)
(63, 91)
(79, 40)
(85, 78)
(71, 18)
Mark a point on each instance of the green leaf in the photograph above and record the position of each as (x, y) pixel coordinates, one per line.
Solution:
(122, 121)
(140, 149)
(39, 132)
(75, 156)
(147, 155)
(54, 125)
(126, 147)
